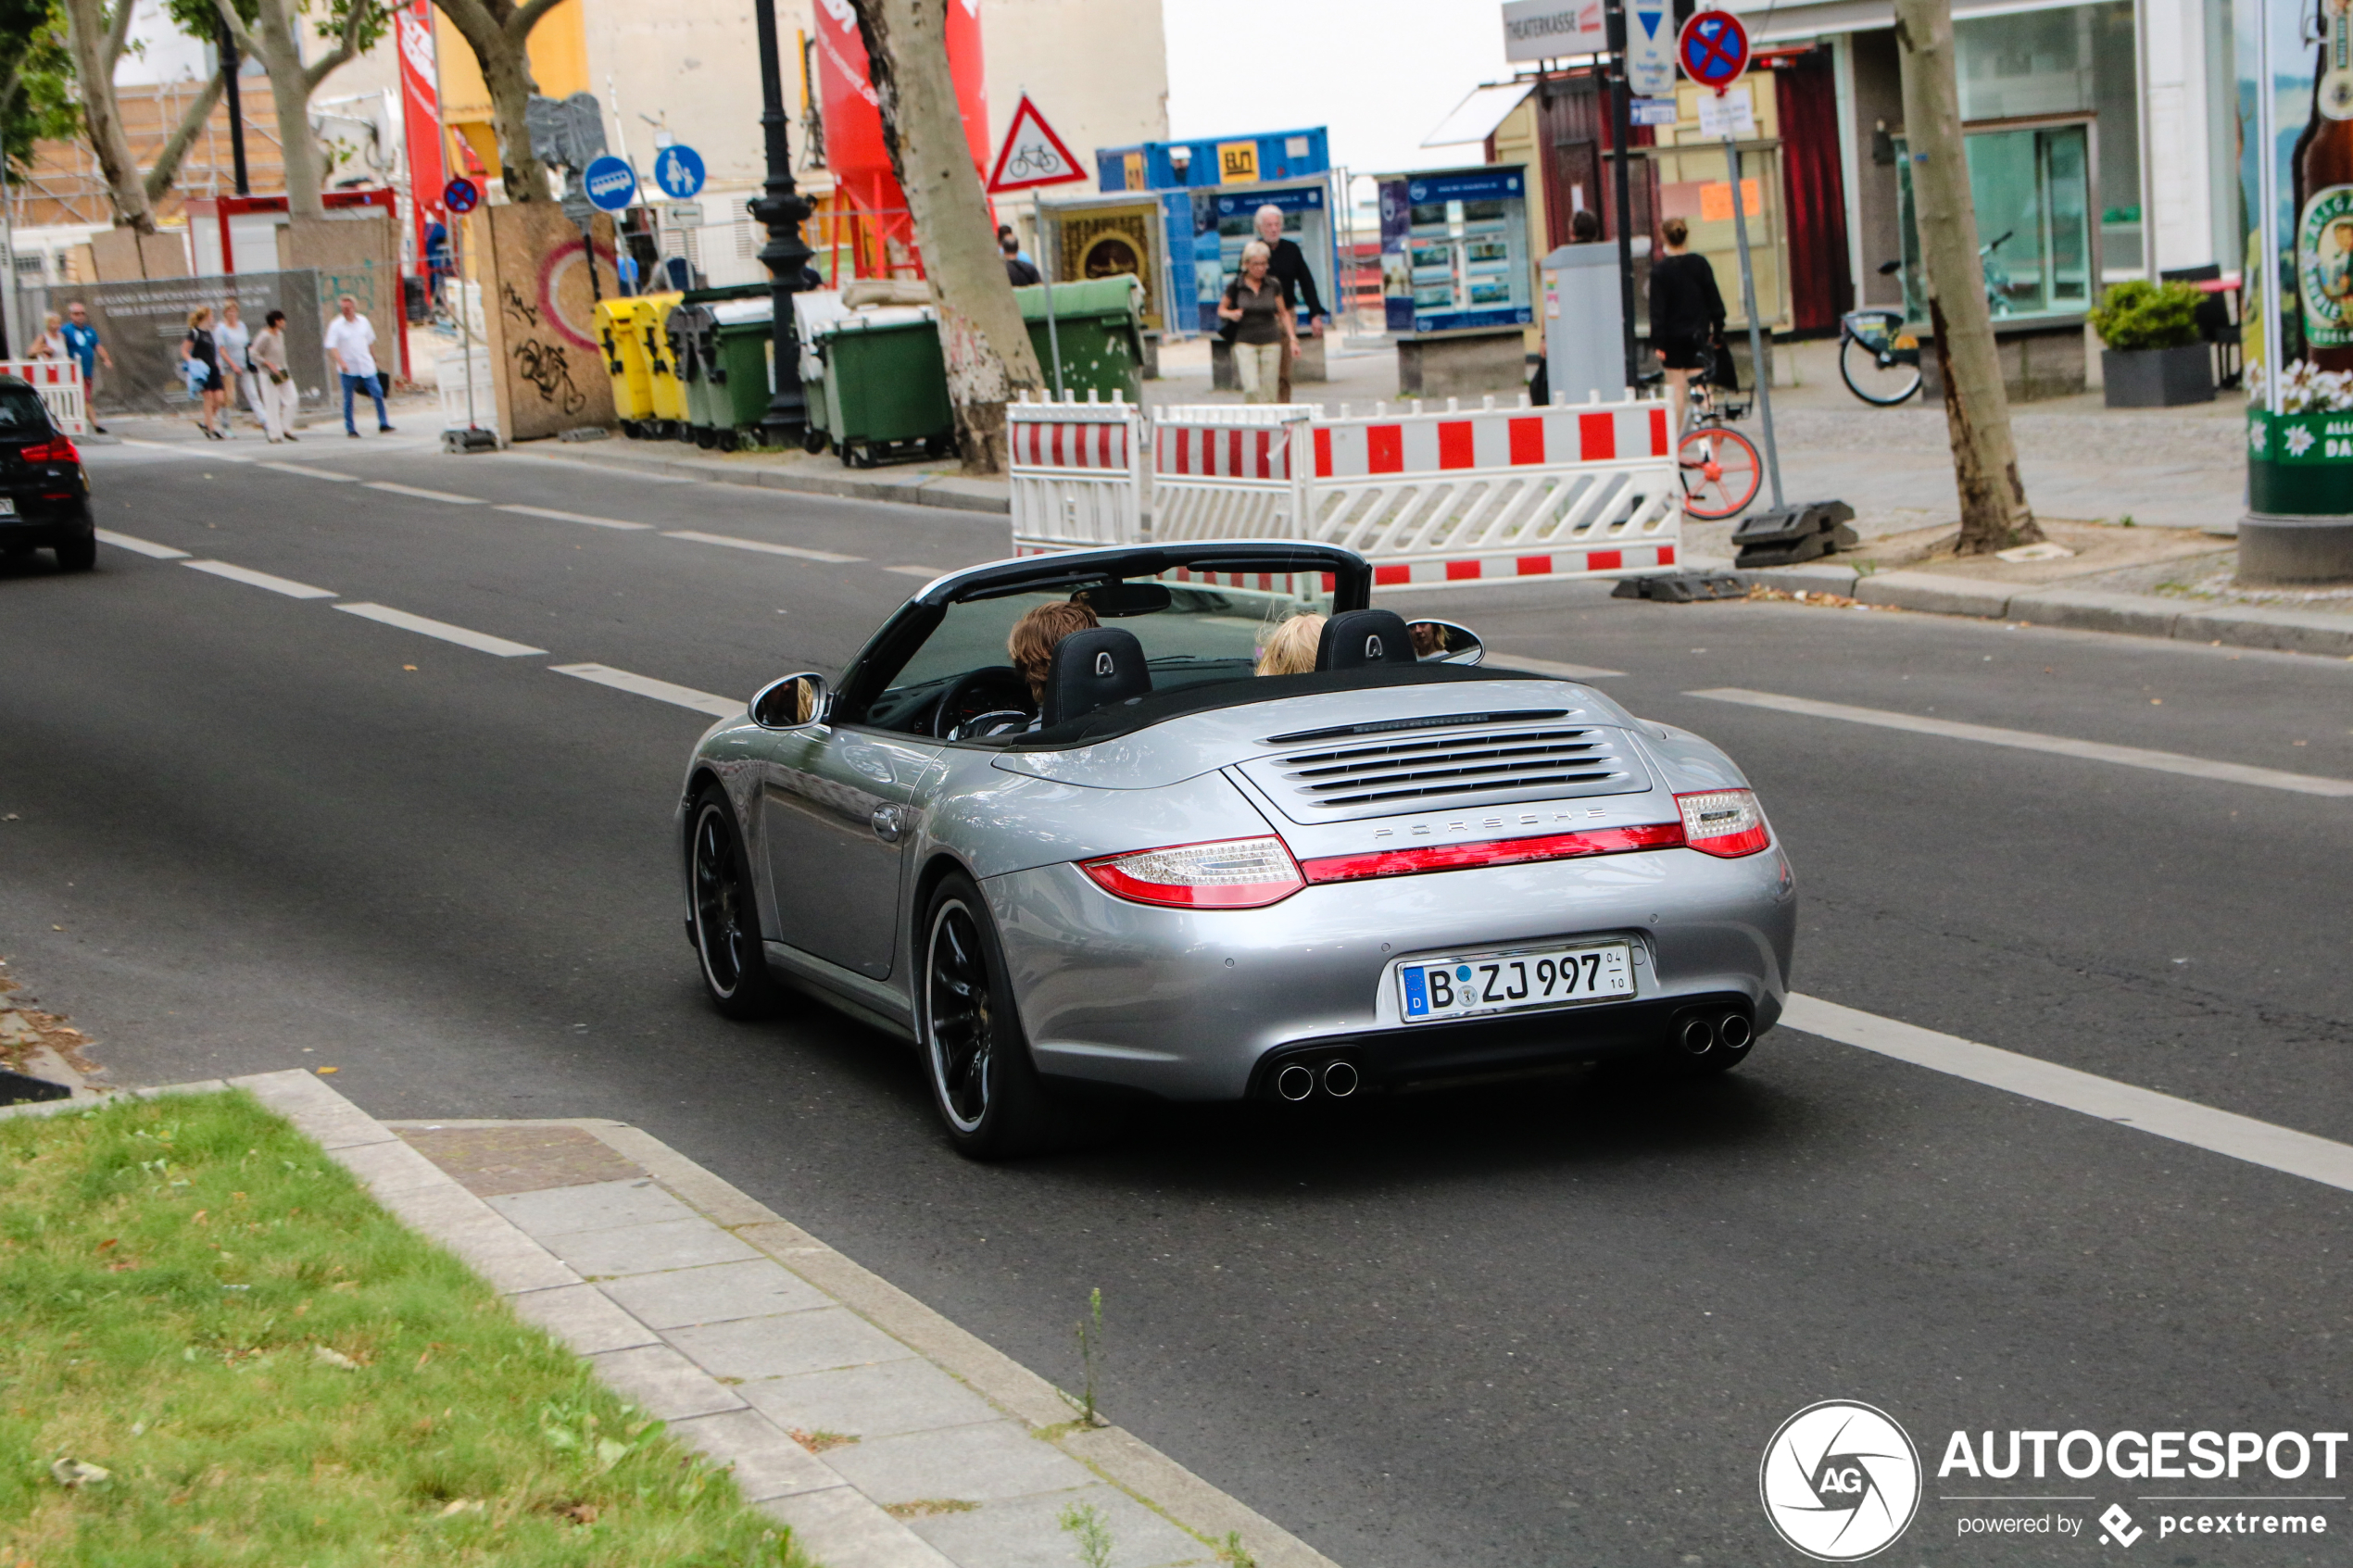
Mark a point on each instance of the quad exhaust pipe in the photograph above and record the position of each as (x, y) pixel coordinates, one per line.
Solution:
(1297, 1082)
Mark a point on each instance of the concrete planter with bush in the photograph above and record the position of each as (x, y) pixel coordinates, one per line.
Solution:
(2153, 357)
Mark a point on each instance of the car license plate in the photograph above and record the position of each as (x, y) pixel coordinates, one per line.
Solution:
(1471, 984)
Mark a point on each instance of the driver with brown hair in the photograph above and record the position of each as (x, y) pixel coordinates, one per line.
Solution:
(1035, 636)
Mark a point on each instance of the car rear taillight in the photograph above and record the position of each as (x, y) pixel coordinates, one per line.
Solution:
(1235, 873)
(1491, 852)
(1723, 822)
(58, 451)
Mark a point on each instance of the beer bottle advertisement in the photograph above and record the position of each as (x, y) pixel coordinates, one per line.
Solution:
(2324, 189)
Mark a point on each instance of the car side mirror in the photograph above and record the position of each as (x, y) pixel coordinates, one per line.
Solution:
(1443, 642)
(792, 703)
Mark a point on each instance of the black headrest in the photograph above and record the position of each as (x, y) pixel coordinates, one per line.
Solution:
(1092, 669)
(1358, 637)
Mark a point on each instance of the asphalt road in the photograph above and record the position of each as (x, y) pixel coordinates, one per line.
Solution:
(1536, 1325)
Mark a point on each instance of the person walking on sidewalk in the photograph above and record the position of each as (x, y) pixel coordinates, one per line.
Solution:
(1259, 310)
(351, 344)
(81, 341)
(231, 337)
(200, 363)
(1686, 313)
(1018, 271)
(274, 393)
(1288, 264)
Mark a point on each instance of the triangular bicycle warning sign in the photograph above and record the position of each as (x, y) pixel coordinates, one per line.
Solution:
(1032, 155)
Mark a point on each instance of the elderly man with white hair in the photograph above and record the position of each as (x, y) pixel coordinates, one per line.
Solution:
(1287, 265)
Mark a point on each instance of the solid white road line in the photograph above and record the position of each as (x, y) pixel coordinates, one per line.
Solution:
(421, 494)
(483, 641)
(607, 471)
(311, 473)
(828, 556)
(140, 547)
(2219, 1132)
(646, 685)
(569, 516)
(2027, 740)
(1547, 666)
(253, 579)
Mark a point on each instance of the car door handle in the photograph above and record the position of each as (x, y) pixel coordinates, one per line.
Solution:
(889, 823)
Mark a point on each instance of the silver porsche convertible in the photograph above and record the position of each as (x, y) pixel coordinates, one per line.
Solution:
(1166, 875)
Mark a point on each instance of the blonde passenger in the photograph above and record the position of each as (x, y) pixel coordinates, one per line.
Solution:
(1291, 649)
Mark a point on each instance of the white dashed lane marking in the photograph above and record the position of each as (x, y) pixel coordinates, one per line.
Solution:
(253, 579)
(2027, 740)
(2219, 1132)
(552, 513)
(480, 641)
(310, 474)
(926, 572)
(761, 547)
(140, 547)
(660, 691)
(1548, 666)
(388, 486)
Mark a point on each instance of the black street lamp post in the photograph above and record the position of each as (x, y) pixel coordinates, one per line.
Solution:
(787, 255)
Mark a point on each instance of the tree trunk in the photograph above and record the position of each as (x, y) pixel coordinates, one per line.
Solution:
(981, 332)
(509, 78)
(1994, 515)
(89, 37)
(280, 48)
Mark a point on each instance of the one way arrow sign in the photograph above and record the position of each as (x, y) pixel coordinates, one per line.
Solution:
(1650, 50)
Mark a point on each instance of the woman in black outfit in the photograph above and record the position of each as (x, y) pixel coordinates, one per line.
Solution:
(1687, 314)
(198, 346)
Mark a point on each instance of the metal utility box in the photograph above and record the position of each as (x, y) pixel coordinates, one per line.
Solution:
(1584, 323)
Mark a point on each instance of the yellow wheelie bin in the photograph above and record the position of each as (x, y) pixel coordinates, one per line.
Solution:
(668, 419)
(632, 389)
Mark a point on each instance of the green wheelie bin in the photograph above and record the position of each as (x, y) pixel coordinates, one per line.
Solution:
(741, 369)
(694, 347)
(886, 386)
(1097, 327)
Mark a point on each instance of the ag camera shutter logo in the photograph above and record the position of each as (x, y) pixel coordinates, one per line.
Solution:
(1840, 1481)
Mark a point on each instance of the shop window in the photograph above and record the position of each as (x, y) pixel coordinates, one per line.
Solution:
(2032, 190)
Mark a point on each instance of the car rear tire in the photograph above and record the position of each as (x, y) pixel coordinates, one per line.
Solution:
(976, 1058)
(726, 912)
(81, 555)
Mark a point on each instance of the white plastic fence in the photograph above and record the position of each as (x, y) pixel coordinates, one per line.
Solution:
(453, 370)
(1427, 495)
(1079, 473)
(60, 383)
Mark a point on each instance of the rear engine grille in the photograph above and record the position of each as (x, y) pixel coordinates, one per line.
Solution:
(1554, 760)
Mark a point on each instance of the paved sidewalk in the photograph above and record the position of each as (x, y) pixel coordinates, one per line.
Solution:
(884, 1435)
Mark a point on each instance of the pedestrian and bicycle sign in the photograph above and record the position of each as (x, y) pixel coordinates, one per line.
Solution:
(609, 183)
(679, 171)
(1713, 48)
(1032, 155)
(460, 196)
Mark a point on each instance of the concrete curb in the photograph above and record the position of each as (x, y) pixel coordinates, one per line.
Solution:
(2082, 610)
(548, 1250)
(908, 487)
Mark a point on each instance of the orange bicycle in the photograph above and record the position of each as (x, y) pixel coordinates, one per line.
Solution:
(1720, 470)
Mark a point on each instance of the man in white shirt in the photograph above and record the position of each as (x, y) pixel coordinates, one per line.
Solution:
(351, 342)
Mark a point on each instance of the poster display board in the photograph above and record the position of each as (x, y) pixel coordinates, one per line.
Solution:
(1454, 249)
(2298, 222)
(1099, 237)
(142, 321)
(1225, 221)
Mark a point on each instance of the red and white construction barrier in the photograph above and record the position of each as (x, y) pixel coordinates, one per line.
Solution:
(1079, 473)
(60, 383)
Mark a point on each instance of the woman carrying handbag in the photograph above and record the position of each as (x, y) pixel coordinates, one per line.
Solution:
(1256, 313)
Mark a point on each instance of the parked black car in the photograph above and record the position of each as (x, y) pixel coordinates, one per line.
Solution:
(45, 494)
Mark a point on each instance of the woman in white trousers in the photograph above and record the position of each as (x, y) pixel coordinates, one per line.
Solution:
(272, 386)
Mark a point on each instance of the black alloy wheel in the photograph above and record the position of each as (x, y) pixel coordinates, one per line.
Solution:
(983, 1082)
(726, 914)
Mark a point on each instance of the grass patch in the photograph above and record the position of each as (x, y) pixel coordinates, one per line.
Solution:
(271, 1370)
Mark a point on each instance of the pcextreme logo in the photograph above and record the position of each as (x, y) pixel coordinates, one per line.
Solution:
(1840, 1481)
